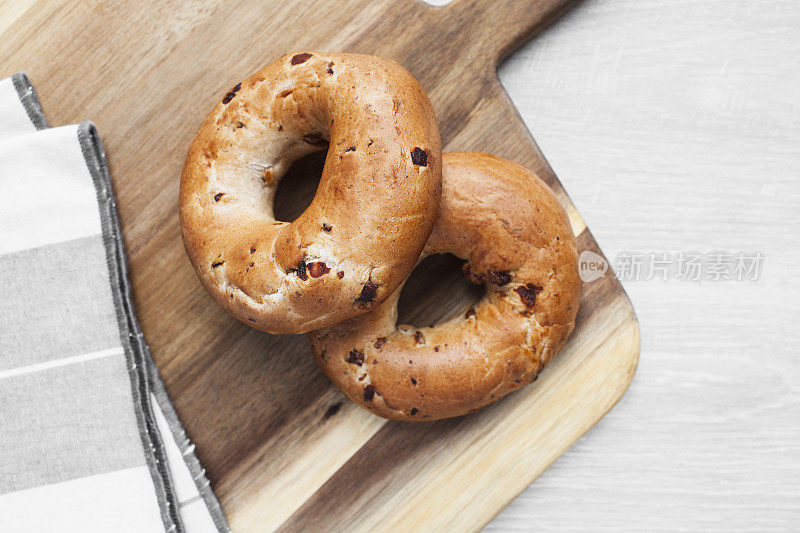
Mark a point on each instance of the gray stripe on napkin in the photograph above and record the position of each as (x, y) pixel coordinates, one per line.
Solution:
(83, 408)
(30, 100)
(72, 317)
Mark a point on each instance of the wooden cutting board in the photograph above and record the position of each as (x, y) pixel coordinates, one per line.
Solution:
(283, 448)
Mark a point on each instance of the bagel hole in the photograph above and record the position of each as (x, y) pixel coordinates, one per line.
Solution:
(436, 291)
(298, 187)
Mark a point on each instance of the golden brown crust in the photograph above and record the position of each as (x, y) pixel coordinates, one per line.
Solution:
(517, 239)
(373, 211)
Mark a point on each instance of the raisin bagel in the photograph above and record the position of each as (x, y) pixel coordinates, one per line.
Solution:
(373, 211)
(516, 238)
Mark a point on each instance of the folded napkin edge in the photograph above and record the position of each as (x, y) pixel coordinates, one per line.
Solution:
(155, 456)
(150, 380)
(30, 100)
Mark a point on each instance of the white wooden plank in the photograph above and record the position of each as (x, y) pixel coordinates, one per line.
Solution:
(675, 126)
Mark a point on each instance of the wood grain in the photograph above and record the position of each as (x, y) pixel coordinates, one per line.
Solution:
(281, 446)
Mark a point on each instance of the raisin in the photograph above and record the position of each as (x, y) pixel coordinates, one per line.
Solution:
(413, 381)
(470, 313)
(356, 357)
(351, 149)
(369, 392)
(499, 277)
(232, 93)
(527, 293)
(368, 292)
(252, 250)
(413, 411)
(380, 341)
(419, 157)
(340, 274)
(218, 263)
(419, 338)
(317, 269)
(300, 58)
(301, 270)
(218, 196)
(326, 227)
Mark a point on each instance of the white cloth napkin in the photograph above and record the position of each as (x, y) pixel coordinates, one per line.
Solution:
(89, 440)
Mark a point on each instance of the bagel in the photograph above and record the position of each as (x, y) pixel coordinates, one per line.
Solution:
(373, 211)
(517, 239)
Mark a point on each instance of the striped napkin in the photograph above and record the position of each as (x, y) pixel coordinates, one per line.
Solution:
(89, 440)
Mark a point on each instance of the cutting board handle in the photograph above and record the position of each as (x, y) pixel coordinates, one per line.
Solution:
(504, 25)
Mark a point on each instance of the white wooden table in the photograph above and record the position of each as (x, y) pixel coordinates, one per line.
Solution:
(692, 110)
